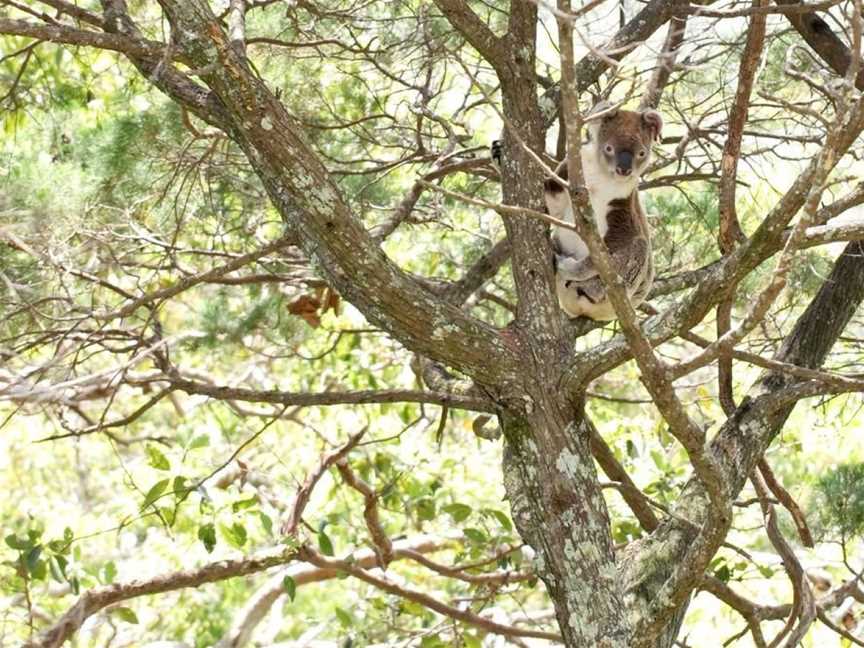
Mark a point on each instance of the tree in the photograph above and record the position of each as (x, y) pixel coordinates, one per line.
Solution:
(425, 71)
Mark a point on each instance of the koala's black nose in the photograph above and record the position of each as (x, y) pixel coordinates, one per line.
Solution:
(624, 162)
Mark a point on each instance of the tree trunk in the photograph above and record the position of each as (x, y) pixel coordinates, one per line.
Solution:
(559, 510)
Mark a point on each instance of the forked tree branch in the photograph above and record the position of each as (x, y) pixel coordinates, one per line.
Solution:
(330, 235)
(381, 582)
(739, 445)
(822, 39)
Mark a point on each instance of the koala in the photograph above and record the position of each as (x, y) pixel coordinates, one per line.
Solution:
(617, 152)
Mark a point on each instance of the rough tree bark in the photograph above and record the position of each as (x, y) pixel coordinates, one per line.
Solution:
(649, 564)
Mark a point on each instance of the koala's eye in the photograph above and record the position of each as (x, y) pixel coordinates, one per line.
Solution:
(608, 148)
(641, 154)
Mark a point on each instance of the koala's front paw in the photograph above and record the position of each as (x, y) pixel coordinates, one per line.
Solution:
(570, 269)
(495, 151)
(559, 261)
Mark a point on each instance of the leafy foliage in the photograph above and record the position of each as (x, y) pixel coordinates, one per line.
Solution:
(838, 501)
(110, 192)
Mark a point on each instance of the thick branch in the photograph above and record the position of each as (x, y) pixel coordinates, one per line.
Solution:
(822, 39)
(303, 399)
(656, 569)
(59, 33)
(475, 31)
(302, 190)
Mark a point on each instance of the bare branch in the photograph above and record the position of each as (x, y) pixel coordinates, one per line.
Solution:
(301, 499)
(380, 541)
(305, 399)
(256, 608)
(99, 598)
(425, 600)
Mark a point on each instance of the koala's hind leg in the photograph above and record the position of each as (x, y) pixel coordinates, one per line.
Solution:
(584, 298)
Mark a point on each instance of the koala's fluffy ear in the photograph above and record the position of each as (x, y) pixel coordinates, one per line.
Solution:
(653, 123)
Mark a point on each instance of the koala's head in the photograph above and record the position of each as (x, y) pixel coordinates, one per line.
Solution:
(623, 139)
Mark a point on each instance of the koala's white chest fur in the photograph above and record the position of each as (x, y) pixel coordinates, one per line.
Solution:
(602, 188)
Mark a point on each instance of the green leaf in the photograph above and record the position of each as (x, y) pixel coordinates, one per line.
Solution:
(426, 508)
(325, 544)
(19, 544)
(724, 573)
(58, 546)
(475, 535)
(155, 492)
(235, 534)
(207, 535)
(766, 571)
(266, 522)
(169, 514)
(32, 558)
(125, 614)
(109, 572)
(36, 567)
(344, 617)
(180, 487)
(290, 587)
(459, 512)
(57, 565)
(502, 519)
(200, 441)
(241, 505)
(205, 506)
(156, 459)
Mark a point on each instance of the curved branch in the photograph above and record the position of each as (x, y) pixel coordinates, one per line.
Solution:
(256, 608)
(59, 33)
(665, 580)
(310, 203)
(99, 598)
(466, 616)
